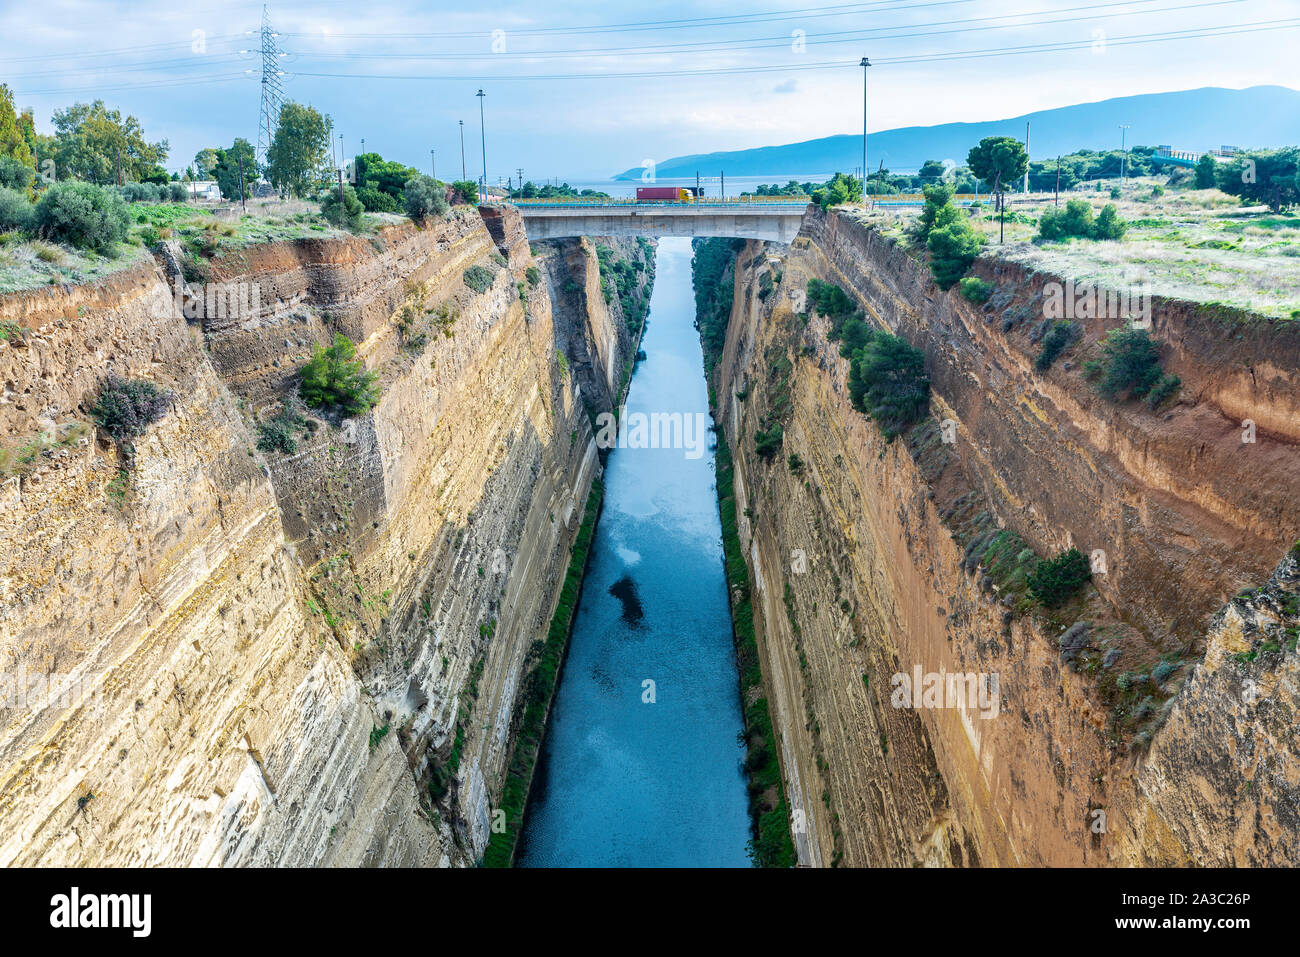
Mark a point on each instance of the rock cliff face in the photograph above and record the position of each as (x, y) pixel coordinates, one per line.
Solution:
(1152, 724)
(228, 655)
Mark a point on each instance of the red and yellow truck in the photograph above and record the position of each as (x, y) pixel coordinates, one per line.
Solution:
(663, 194)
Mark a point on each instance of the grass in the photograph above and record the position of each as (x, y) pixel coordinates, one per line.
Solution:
(771, 843)
(540, 684)
(1196, 245)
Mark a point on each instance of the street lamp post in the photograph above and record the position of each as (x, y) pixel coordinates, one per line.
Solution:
(463, 175)
(433, 164)
(1123, 163)
(865, 63)
(482, 129)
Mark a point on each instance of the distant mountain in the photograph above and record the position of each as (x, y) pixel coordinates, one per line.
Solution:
(1259, 116)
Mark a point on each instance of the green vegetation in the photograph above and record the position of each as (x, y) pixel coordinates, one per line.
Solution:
(16, 211)
(619, 277)
(377, 734)
(281, 433)
(125, 408)
(82, 215)
(296, 161)
(947, 234)
(531, 190)
(342, 208)
(466, 190)
(227, 169)
(1262, 176)
(479, 278)
(1054, 343)
(887, 381)
(540, 689)
(771, 844)
(713, 275)
(1130, 366)
(424, 198)
(767, 442)
(380, 183)
(335, 379)
(1053, 582)
(840, 190)
(999, 161)
(1075, 221)
(88, 141)
(976, 290)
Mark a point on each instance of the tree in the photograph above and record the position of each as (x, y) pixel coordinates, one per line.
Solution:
(335, 378)
(90, 140)
(296, 159)
(14, 143)
(953, 247)
(1263, 176)
(998, 160)
(344, 211)
(1205, 167)
(205, 161)
(226, 171)
(839, 190)
(938, 211)
(83, 215)
(1052, 582)
(374, 172)
(887, 381)
(424, 198)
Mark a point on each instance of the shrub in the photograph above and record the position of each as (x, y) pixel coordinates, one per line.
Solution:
(1165, 387)
(1075, 221)
(466, 189)
(976, 290)
(839, 190)
(16, 211)
(479, 278)
(1115, 193)
(334, 378)
(14, 174)
(1054, 343)
(1054, 581)
(766, 443)
(829, 299)
(425, 198)
(125, 407)
(281, 432)
(376, 201)
(345, 211)
(177, 193)
(794, 463)
(83, 215)
(887, 381)
(1130, 362)
(938, 211)
(952, 249)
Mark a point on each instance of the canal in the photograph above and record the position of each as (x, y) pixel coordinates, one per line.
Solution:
(642, 762)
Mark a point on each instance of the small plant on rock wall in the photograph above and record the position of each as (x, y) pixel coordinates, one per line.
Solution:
(478, 278)
(281, 433)
(125, 408)
(1055, 580)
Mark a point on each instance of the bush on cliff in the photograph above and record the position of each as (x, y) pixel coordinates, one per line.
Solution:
(83, 215)
(466, 189)
(125, 408)
(478, 278)
(1075, 221)
(953, 247)
(334, 378)
(1054, 343)
(887, 381)
(425, 198)
(1129, 363)
(1055, 580)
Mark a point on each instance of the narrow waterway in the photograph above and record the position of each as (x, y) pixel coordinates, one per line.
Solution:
(642, 764)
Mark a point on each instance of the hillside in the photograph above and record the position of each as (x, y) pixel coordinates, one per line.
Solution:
(1188, 119)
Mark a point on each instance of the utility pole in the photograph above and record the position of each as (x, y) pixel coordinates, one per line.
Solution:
(433, 164)
(119, 166)
(482, 128)
(520, 171)
(1058, 181)
(343, 154)
(268, 114)
(723, 189)
(340, 172)
(1123, 163)
(864, 64)
(1026, 189)
(463, 176)
(243, 197)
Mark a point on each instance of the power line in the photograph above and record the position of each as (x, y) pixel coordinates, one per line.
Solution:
(1057, 47)
(806, 13)
(760, 43)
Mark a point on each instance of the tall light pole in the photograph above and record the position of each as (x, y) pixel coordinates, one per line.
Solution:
(1123, 163)
(865, 63)
(463, 174)
(482, 129)
(1026, 189)
(433, 164)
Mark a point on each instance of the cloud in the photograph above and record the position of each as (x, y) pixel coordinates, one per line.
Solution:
(789, 86)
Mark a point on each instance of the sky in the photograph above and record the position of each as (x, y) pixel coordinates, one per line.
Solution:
(581, 91)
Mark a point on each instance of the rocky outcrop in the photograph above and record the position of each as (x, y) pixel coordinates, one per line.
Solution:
(865, 565)
(228, 655)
